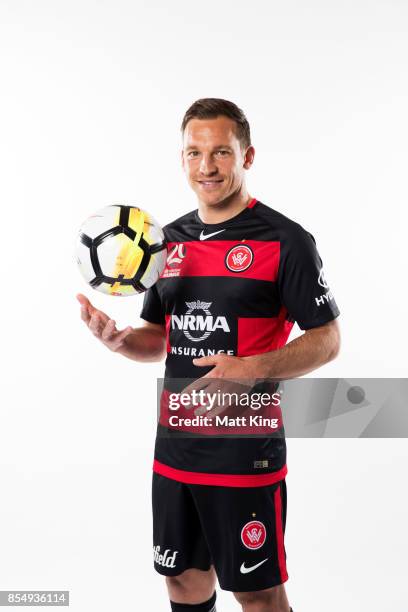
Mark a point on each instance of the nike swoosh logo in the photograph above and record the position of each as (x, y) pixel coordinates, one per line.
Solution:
(246, 570)
(205, 236)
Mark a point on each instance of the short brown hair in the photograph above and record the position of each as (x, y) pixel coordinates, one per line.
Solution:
(210, 108)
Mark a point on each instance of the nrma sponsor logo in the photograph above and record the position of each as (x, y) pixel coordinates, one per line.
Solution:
(202, 325)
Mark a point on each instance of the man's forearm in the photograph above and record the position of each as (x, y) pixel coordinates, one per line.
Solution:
(300, 356)
(144, 345)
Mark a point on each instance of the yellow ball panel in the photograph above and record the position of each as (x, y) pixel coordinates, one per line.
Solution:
(128, 259)
(136, 221)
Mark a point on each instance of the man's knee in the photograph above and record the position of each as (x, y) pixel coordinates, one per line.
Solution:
(273, 599)
(193, 586)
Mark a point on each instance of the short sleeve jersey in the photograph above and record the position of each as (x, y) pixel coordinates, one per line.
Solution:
(235, 287)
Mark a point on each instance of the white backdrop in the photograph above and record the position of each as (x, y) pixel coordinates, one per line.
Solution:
(92, 96)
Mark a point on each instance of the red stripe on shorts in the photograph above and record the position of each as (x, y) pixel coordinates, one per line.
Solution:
(220, 480)
(279, 535)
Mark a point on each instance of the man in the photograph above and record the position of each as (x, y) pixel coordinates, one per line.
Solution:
(238, 276)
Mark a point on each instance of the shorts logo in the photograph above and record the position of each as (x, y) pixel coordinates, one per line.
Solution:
(239, 258)
(246, 570)
(253, 535)
(165, 559)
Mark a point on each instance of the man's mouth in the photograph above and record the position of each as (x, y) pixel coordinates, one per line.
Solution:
(210, 184)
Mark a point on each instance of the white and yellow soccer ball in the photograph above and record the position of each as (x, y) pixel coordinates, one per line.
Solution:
(121, 250)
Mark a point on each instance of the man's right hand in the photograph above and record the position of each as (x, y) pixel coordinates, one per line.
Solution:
(102, 326)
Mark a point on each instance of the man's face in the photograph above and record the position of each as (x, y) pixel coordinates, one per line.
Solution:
(213, 159)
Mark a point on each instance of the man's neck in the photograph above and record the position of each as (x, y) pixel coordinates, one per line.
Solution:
(222, 211)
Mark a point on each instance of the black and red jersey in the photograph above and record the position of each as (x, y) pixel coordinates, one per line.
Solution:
(235, 287)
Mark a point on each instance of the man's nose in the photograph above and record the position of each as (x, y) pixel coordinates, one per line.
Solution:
(207, 165)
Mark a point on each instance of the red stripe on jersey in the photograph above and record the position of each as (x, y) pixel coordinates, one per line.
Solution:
(258, 335)
(279, 535)
(219, 480)
(208, 258)
(168, 322)
(252, 203)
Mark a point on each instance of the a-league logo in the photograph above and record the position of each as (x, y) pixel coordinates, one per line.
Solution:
(253, 535)
(176, 255)
(175, 258)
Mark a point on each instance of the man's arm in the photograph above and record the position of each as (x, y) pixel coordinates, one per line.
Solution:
(146, 343)
(313, 349)
(302, 355)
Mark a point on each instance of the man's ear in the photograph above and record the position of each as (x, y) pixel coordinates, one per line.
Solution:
(182, 159)
(249, 157)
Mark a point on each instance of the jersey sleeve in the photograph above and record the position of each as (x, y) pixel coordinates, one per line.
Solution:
(152, 310)
(303, 288)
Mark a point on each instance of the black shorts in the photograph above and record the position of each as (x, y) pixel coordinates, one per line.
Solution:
(239, 530)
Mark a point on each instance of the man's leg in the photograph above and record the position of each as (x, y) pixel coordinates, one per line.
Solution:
(268, 600)
(180, 551)
(193, 587)
(244, 529)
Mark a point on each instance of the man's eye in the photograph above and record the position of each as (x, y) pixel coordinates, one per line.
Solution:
(192, 154)
(222, 152)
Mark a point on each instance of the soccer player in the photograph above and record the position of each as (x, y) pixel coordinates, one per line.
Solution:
(238, 275)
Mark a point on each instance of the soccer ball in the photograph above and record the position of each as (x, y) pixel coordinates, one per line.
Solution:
(121, 250)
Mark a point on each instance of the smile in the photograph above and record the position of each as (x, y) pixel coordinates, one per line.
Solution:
(210, 184)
